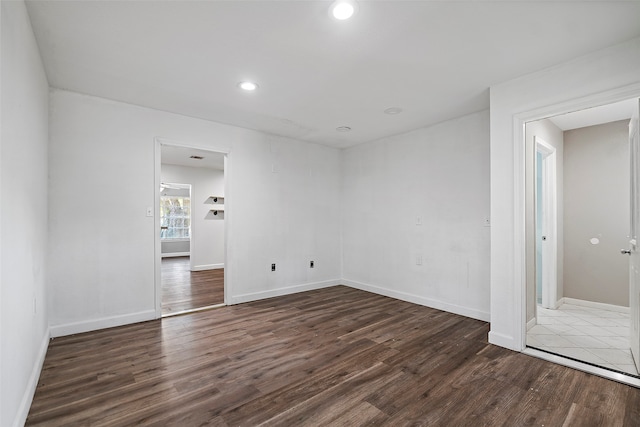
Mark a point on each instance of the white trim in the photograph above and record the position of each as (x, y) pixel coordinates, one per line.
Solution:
(238, 299)
(595, 370)
(519, 121)
(175, 254)
(416, 299)
(228, 239)
(549, 222)
(207, 267)
(228, 274)
(502, 340)
(103, 323)
(157, 241)
(598, 305)
(179, 239)
(531, 323)
(32, 384)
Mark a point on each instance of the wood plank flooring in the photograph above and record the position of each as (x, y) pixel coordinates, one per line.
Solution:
(336, 356)
(183, 289)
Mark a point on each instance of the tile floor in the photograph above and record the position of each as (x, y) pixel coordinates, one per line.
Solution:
(592, 335)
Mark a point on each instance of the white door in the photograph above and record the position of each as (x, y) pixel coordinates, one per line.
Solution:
(634, 261)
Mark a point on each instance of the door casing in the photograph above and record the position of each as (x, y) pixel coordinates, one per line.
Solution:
(228, 268)
(550, 223)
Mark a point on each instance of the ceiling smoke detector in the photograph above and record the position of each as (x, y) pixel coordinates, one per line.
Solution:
(393, 110)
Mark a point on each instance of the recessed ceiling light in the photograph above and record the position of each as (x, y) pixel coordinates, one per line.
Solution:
(343, 129)
(393, 110)
(196, 157)
(248, 86)
(343, 9)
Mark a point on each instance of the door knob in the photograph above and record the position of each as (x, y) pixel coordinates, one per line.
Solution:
(625, 251)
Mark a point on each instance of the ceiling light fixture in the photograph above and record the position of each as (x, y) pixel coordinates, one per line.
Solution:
(248, 86)
(393, 110)
(343, 9)
(343, 128)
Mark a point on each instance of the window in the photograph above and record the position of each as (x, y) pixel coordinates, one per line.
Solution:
(175, 217)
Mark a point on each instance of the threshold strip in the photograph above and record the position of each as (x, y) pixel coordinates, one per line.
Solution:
(610, 374)
(193, 310)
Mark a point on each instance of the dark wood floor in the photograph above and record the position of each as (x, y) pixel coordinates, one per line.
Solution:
(183, 289)
(336, 356)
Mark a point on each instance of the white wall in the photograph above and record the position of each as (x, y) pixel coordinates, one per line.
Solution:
(102, 258)
(23, 224)
(597, 206)
(601, 77)
(552, 135)
(207, 241)
(440, 174)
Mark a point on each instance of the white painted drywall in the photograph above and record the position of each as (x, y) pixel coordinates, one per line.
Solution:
(23, 328)
(438, 176)
(207, 240)
(281, 201)
(597, 206)
(552, 135)
(601, 77)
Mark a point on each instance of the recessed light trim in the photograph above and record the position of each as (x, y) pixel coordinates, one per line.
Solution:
(248, 86)
(343, 9)
(343, 129)
(393, 110)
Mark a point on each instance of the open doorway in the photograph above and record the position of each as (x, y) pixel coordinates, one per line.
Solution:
(578, 303)
(192, 232)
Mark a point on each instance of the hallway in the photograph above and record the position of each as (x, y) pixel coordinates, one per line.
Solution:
(183, 289)
(599, 337)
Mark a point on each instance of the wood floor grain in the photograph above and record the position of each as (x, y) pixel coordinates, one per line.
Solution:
(183, 289)
(336, 356)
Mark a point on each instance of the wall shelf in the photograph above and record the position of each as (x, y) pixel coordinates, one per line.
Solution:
(215, 200)
(215, 214)
(217, 211)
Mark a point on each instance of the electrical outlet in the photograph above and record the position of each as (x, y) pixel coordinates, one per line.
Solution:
(149, 211)
(419, 260)
(311, 264)
(418, 220)
(273, 267)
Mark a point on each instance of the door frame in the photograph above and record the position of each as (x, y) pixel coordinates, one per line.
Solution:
(228, 270)
(549, 221)
(634, 260)
(519, 120)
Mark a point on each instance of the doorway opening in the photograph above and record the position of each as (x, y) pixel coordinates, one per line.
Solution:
(191, 254)
(578, 206)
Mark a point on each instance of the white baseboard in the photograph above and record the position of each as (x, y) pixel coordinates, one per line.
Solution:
(103, 323)
(599, 305)
(503, 340)
(416, 299)
(207, 267)
(175, 254)
(238, 299)
(531, 323)
(27, 398)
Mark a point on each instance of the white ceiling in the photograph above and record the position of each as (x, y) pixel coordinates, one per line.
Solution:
(597, 115)
(434, 59)
(180, 156)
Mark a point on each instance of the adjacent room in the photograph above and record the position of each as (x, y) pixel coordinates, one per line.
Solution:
(191, 229)
(579, 302)
(313, 212)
